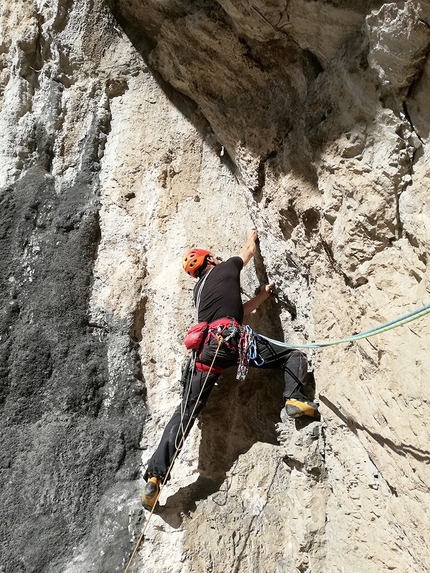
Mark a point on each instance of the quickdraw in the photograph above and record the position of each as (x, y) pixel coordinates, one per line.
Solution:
(247, 348)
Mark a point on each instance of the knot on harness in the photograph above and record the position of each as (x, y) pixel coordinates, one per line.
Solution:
(247, 351)
(224, 329)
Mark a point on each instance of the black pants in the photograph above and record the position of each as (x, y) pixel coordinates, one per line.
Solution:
(269, 355)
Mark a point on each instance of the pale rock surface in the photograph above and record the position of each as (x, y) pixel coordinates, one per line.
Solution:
(128, 137)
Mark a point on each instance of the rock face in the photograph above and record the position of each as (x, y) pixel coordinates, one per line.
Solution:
(133, 130)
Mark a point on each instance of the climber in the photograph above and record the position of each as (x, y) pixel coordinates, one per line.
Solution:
(218, 302)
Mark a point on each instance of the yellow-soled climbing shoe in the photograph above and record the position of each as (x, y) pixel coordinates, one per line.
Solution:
(296, 408)
(150, 493)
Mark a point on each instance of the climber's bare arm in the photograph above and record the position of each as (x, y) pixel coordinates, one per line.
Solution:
(265, 292)
(248, 249)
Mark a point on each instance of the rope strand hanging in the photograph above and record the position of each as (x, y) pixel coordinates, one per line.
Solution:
(178, 448)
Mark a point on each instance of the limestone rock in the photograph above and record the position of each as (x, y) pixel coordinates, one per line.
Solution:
(133, 130)
(398, 44)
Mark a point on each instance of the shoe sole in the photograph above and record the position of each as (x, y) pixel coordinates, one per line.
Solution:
(146, 506)
(149, 499)
(297, 411)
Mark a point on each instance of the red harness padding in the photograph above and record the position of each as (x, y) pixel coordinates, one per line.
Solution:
(215, 329)
(205, 368)
(195, 336)
(225, 322)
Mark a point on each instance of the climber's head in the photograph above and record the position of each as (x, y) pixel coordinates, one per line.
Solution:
(195, 261)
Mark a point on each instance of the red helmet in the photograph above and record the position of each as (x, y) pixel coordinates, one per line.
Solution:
(193, 260)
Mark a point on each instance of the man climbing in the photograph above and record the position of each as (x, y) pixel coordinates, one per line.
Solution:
(226, 343)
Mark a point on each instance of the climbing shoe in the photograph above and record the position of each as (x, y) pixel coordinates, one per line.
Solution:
(150, 493)
(296, 408)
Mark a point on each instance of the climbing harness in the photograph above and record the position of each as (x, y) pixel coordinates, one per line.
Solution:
(227, 327)
(414, 315)
(178, 447)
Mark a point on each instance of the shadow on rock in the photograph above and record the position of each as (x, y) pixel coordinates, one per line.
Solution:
(400, 449)
(237, 416)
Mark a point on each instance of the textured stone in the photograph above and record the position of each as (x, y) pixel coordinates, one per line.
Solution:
(398, 44)
(129, 136)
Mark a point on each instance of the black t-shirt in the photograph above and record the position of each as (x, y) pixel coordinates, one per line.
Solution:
(220, 296)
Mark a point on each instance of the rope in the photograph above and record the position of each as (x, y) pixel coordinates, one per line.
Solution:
(199, 294)
(187, 391)
(414, 315)
(139, 541)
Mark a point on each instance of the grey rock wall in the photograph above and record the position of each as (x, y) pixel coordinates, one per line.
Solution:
(131, 131)
(65, 440)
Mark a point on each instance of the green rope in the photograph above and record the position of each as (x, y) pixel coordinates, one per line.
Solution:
(414, 315)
